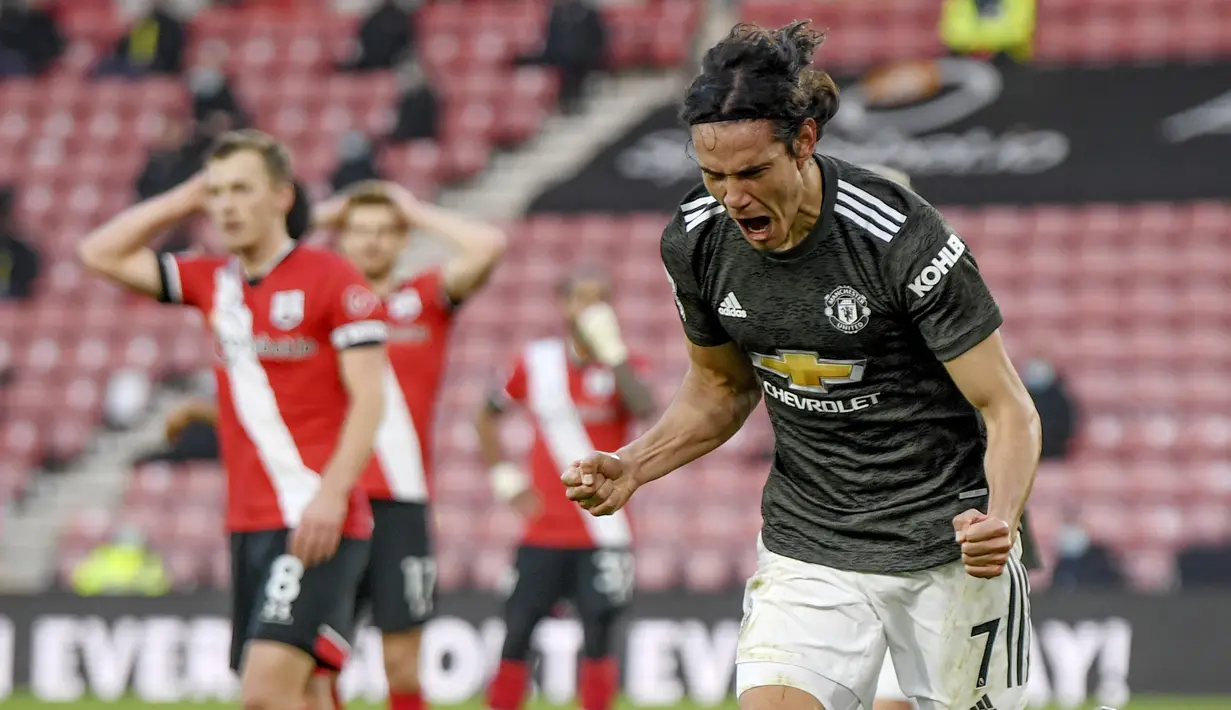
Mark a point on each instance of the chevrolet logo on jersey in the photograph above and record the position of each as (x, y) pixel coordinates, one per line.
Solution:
(807, 372)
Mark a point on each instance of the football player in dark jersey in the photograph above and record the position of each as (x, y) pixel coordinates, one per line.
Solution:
(889, 695)
(892, 508)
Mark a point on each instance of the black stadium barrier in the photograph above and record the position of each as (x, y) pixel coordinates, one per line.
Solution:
(675, 646)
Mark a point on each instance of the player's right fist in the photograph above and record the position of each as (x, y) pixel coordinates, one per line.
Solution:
(600, 483)
(986, 543)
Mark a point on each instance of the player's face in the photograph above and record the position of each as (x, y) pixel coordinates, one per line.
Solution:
(372, 239)
(754, 177)
(246, 205)
(581, 295)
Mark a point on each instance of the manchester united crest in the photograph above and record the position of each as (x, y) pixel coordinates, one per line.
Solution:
(847, 309)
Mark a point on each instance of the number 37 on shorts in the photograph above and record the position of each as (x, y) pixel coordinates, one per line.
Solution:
(958, 643)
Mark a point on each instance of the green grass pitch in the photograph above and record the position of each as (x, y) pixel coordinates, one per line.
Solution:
(25, 702)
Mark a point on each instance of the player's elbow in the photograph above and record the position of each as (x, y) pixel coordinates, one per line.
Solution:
(93, 257)
(1015, 412)
(495, 244)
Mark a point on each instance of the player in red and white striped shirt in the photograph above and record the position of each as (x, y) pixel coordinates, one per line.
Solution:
(301, 345)
(373, 221)
(583, 392)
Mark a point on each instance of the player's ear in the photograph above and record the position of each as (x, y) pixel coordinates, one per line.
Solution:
(805, 142)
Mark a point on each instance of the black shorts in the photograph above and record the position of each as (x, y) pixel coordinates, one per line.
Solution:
(399, 585)
(274, 598)
(599, 582)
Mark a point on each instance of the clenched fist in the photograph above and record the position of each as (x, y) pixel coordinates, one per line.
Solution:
(600, 483)
(986, 543)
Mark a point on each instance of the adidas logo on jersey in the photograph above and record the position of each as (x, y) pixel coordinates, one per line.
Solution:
(730, 307)
(985, 703)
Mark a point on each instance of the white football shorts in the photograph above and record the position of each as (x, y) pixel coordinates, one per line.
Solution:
(957, 642)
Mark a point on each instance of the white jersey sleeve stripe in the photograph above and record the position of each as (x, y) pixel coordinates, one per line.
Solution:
(693, 220)
(565, 434)
(360, 332)
(699, 202)
(397, 447)
(256, 407)
(867, 226)
(175, 287)
(872, 201)
(868, 213)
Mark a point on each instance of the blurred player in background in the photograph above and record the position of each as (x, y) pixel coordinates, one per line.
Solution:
(374, 221)
(583, 392)
(301, 340)
(905, 444)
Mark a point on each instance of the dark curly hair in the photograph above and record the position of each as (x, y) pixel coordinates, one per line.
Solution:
(758, 73)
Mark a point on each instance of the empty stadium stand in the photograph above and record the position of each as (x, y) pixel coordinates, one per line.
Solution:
(1107, 291)
(1130, 301)
(1068, 30)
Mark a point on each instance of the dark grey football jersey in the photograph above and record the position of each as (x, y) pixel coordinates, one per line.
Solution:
(875, 449)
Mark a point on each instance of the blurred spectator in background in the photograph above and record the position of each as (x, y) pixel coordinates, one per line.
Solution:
(168, 163)
(385, 37)
(418, 108)
(356, 161)
(204, 133)
(190, 432)
(1057, 411)
(575, 43)
(29, 38)
(211, 89)
(19, 262)
(1205, 567)
(989, 28)
(153, 45)
(124, 566)
(1082, 563)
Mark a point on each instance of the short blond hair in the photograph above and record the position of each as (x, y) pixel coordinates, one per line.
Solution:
(276, 157)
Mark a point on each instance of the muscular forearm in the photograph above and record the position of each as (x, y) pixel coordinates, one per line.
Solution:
(132, 229)
(1013, 442)
(700, 419)
(354, 449)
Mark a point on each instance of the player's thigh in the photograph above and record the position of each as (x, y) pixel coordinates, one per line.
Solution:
(313, 608)
(960, 641)
(811, 628)
(539, 579)
(602, 583)
(889, 695)
(400, 580)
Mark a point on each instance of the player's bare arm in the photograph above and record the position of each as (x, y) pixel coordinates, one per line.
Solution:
(509, 483)
(319, 532)
(718, 393)
(119, 250)
(480, 245)
(987, 378)
(598, 328)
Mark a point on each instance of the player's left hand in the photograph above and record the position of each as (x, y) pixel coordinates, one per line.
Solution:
(320, 529)
(986, 543)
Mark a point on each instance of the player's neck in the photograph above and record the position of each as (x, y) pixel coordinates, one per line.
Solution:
(381, 284)
(264, 255)
(809, 207)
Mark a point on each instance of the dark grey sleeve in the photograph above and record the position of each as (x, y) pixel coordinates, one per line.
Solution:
(700, 321)
(937, 283)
